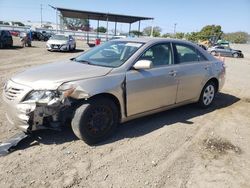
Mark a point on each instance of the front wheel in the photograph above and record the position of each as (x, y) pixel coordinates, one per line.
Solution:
(207, 95)
(96, 120)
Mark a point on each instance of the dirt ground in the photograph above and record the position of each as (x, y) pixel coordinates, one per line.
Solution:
(183, 147)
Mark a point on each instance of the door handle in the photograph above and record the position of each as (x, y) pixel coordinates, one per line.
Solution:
(207, 67)
(172, 73)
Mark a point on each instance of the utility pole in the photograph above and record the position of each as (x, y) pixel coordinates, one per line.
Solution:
(41, 15)
(175, 28)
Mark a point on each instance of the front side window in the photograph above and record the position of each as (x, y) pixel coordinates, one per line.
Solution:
(186, 53)
(110, 54)
(159, 54)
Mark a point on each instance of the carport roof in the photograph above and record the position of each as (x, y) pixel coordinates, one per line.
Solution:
(71, 13)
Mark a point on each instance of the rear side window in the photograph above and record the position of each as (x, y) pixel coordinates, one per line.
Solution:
(186, 53)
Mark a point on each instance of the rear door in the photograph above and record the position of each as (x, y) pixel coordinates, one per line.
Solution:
(192, 73)
(153, 88)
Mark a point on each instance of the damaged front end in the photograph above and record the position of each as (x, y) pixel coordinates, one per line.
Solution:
(42, 109)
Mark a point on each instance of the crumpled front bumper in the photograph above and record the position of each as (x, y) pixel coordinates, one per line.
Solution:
(34, 116)
(18, 115)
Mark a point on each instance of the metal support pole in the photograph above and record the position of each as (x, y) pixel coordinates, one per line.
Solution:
(88, 32)
(152, 30)
(41, 15)
(139, 28)
(115, 27)
(97, 31)
(56, 20)
(129, 28)
(107, 28)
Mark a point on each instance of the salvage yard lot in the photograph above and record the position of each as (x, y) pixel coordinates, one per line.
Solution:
(182, 147)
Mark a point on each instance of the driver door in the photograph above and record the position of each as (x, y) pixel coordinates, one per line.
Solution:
(153, 88)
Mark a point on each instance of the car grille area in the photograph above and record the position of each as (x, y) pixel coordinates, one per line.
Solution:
(14, 92)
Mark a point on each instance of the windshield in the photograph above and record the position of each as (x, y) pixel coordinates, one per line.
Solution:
(110, 54)
(60, 37)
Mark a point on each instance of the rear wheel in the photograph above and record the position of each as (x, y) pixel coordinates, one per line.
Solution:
(236, 55)
(214, 53)
(96, 120)
(207, 95)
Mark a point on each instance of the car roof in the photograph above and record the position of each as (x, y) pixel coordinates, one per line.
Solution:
(66, 35)
(152, 40)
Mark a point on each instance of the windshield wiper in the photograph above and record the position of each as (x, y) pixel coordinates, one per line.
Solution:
(80, 61)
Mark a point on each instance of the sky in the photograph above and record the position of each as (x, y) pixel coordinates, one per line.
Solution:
(188, 15)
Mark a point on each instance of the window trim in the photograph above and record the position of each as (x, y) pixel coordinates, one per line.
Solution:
(198, 53)
(159, 43)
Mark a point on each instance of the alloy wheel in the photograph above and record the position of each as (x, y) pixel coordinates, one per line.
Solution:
(208, 95)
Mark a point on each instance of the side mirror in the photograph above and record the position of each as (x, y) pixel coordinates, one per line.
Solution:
(143, 64)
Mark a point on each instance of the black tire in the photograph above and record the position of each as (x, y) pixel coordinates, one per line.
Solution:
(214, 53)
(95, 121)
(1, 45)
(207, 95)
(236, 55)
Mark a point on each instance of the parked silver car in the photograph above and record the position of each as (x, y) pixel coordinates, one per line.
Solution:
(60, 42)
(112, 83)
(225, 51)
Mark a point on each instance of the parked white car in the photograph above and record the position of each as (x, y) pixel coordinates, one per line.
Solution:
(60, 42)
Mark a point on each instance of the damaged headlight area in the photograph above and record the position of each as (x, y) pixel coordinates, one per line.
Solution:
(44, 109)
(43, 96)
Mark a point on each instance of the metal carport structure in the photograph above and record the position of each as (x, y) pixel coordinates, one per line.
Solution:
(100, 16)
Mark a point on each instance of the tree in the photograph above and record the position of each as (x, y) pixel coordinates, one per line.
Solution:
(76, 24)
(179, 35)
(101, 29)
(210, 31)
(237, 37)
(167, 35)
(136, 33)
(156, 31)
(193, 36)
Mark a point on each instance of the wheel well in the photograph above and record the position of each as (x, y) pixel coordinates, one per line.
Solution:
(111, 97)
(216, 82)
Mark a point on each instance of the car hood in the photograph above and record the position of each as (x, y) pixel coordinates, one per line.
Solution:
(51, 76)
(57, 42)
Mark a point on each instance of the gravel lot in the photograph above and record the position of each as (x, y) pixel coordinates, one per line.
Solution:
(183, 147)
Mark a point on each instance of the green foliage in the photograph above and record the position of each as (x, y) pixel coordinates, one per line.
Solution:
(76, 23)
(167, 35)
(208, 31)
(136, 33)
(193, 36)
(101, 29)
(179, 35)
(156, 31)
(237, 37)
